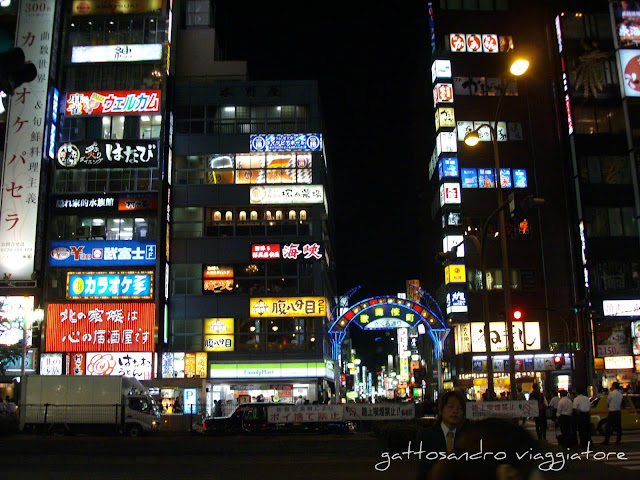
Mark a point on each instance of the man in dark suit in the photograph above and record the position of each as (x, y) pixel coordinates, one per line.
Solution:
(443, 435)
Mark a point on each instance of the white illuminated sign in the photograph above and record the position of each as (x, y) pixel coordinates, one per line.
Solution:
(629, 61)
(446, 142)
(454, 241)
(51, 364)
(440, 69)
(117, 53)
(621, 308)
(449, 194)
(25, 129)
(618, 363)
(289, 194)
(270, 370)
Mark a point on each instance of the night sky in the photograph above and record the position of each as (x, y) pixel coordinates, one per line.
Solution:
(371, 63)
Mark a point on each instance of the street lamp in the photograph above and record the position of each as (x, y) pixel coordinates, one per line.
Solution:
(517, 68)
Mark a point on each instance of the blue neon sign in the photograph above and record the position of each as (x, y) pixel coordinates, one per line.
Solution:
(110, 285)
(287, 142)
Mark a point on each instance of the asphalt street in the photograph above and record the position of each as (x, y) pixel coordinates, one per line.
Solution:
(306, 457)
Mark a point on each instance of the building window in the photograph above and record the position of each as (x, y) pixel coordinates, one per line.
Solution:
(598, 119)
(242, 216)
(70, 227)
(605, 169)
(186, 279)
(493, 279)
(610, 222)
(198, 13)
(106, 180)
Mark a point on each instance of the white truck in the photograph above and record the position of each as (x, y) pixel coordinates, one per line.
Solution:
(86, 404)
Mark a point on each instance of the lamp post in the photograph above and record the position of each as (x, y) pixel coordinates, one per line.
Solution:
(517, 68)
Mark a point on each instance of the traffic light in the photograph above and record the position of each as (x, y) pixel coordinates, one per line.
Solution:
(519, 207)
(516, 314)
(558, 361)
(14, 70)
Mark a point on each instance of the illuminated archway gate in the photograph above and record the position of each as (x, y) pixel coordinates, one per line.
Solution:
(389, 312)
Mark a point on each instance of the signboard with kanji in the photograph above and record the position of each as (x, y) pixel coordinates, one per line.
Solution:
(286, 194)
(113, 102)
(108, 154)
(100, 327)
(23, 153)
(288, 307)
(110, 285)
(502, 409)
(133, 364)
(102, 253)
(287, 142)
(286, 251)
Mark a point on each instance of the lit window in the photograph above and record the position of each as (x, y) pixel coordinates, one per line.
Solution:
(254, 215)
(292, 214)
(217, 216)
(242, 216)
(303, 214)
(228, 216)
(268, 215)
(278, 214)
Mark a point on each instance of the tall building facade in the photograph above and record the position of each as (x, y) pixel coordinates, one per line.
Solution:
(473, 45)
(176, 222)
(596, 56)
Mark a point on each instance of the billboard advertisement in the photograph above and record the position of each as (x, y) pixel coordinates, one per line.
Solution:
(132, 364)
(114, 286)
(117, 53)
(108, 154)
(287, 142)
(288, 307)
(25, 130)
(101, 253)
(113, 102)
(100, 327)
(629, 61)
(282, 195)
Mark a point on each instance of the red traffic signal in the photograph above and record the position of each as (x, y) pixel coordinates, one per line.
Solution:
(516, 314)
(558, 361)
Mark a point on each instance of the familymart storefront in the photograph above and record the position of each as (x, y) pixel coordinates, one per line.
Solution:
(234, 383)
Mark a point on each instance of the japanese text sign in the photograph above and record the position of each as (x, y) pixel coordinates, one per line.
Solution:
(138, 285)
(100, 327)
(305, 413)
(502, 409)
(116, 53)
(287, 142)
(289, 251)
(279, 195)
(108, 154)
(138, 365)
(102, 253)
(288, 307)
(379, 411)
(25, 131)
(97, 7)
(113, 103)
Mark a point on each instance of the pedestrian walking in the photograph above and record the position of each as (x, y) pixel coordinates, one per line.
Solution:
(541, 419)
(582, 412)
(553, 403)
(565, 413)
(614, 419)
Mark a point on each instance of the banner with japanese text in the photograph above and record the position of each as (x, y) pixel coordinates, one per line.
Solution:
(288, 307)
(100, 327)
(108, 154)
(25, 132)
(114, 102)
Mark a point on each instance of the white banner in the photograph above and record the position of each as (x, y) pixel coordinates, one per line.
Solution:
(290, 194)
(341, 412)
(117, 53)
(24, 144)
(502, 409)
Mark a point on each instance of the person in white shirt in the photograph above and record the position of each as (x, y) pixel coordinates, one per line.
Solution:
(582, 409)
(614, 420)
(300, 400)
(553, 403)
(565, 412)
